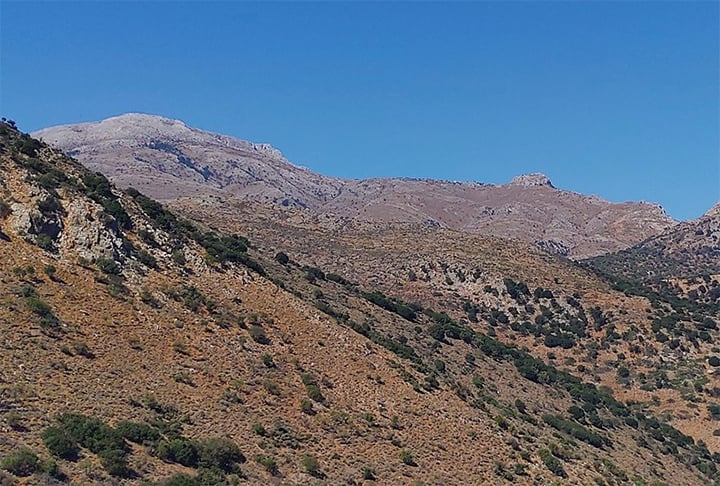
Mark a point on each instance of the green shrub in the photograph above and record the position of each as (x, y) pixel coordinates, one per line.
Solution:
(714, 411)
(83, 349)
(314, 393)
(45, 242)
(180, 479)
(50, 271)
(43, 311)
(28, 145)
(259, 429)
(114, 461)
(576, 430)
(271, 387)
(334, 277)
(258, 335)
(268, 361)
(306, 406)
(220, 453)
(146, 259)
(108, 266)
(179, 257)
(406, 311)
(552, 463)
(92, 433)
(282, 258)
(5, 209)
(311, 465)
(313, 273)
(501, 422)
(60, 444)
(181, 451)
(14, 420)
(138, 433)
(269, 463)
(407, 458)
(22, 463)
(183, 377)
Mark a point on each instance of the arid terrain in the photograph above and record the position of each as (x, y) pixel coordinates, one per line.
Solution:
(232, 340)
(167, 160)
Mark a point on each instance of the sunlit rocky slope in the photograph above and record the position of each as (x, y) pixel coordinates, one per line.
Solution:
(140, 346)
(166, 159)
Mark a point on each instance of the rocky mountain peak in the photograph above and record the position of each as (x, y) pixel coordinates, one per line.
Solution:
(531, 180)
(167, 160)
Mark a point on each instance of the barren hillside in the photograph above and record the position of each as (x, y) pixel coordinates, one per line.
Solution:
(139, 346)
(166, 160)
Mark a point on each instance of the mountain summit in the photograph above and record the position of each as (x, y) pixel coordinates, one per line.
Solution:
(168, 160)
(529, 180)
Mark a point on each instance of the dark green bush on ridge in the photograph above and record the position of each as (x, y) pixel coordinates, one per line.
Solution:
(76, 430)
(138, 433)
(219, 249)
(215, 453)
(406, 311)
(220, 453)
(552, 463)
(576, 430)
(60, 444)
(181, 451)
(108, 266)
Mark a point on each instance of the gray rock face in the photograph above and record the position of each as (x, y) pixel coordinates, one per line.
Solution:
(73, 230)
(168, 160)
(530, 180)
(86, 235)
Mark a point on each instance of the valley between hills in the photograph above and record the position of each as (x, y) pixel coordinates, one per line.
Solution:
(182, 308)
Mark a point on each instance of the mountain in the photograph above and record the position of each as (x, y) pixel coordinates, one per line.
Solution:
(690, 249)
(168, 160)
(683, 261)
(141, 347)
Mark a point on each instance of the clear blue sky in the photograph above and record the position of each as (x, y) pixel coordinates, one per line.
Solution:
(618, 99)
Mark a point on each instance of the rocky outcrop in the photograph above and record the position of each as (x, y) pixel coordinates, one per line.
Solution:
(531, 180)
(87, 235)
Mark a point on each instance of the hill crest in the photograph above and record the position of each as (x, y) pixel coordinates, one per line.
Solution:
(168, 160)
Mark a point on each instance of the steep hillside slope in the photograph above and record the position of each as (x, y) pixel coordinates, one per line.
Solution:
(168, 160)
(652, 350)
(138, 345)
(682, 262)
(690, 249)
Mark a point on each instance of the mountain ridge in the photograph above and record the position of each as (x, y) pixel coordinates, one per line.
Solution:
(270, 370)
(168, 160)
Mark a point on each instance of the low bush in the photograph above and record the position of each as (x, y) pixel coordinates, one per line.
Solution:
(221, 453)
(552, 463)
(311, 465)
(138, 433)
(269, 463)
(180, 450)
(258, 335)
(22, 463)
(60, 444)
(407, 457)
